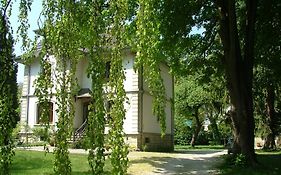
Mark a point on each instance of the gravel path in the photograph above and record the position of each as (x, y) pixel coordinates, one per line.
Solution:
(187, 162)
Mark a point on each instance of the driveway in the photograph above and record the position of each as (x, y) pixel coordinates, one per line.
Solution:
(199, 162)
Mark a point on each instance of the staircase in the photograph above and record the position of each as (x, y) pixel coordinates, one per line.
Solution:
(79, 133)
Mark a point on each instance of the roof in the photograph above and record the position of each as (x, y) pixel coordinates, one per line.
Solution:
(84, 93)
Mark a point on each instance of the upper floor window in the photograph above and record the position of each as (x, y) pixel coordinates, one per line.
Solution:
(50, 112)
(108, 109)
(107, 69)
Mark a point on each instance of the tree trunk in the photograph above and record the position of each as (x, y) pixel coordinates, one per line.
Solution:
(239, 74)
(197, 129)
(270, 138)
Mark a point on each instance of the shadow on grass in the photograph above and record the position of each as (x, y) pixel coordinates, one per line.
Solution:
(178, 165)
(269, 164)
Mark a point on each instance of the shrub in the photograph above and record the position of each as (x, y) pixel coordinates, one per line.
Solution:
(40, 133)
(183, 135)
(204, 138)
(240, 160)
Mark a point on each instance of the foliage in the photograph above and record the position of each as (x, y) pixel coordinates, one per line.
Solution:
(204, 138)
(94, 30)
(40, 132)
(222, 42)
(162, 30)
(118, 157)
(183, 132)
(96, 118)
(149, 56)
(8, 91)
(209, 98)
(266, 72)
(58, 42)
(240, 160)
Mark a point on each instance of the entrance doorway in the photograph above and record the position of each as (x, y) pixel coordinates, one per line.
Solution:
(85, 111)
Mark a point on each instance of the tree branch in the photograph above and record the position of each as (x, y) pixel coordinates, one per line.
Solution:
(5, 9)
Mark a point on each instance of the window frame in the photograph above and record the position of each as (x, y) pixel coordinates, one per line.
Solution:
(51, 113)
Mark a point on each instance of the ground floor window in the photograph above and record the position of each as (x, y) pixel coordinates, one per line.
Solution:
(50, 110)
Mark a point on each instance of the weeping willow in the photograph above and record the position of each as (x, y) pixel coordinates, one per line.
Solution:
(93, 18)
(96, 30)
(8, 91)
(149, 56)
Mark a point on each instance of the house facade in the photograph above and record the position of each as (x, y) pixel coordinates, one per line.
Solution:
(140, 126)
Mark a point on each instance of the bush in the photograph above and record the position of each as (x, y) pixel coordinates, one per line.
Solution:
(82, 143)
(183, 135)
(240, 160)
(204, 138)
(40, 133)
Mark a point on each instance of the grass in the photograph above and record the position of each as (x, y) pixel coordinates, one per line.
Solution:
(37, 163)
(269, 163)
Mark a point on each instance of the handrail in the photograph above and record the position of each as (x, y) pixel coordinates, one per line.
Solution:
(80, 130)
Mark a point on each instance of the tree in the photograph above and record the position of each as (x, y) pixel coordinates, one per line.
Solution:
(234, 23)
(267, 70)
(8, 91)
(199, 101)
(190, 97)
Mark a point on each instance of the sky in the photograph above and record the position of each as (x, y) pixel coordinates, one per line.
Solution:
(36, 8)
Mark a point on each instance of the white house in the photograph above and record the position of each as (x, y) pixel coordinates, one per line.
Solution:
(141, 127)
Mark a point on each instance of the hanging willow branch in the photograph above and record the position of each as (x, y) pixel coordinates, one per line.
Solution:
(96, 69)
(148, 57)
(98, 28)
(59, 32)
(119, 161)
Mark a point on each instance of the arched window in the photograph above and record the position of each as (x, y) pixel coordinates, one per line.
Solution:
(51, 112)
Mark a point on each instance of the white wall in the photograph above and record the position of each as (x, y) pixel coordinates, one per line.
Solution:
(32, 118)
(79, 72)
(78, 118)
(86, 82)
(34, 72)
(150, 123)
(131, 121)
(131, 77)
(167, 80)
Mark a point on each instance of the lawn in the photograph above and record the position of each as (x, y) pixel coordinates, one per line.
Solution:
(269, 163)
(203, 147)
(32, 162)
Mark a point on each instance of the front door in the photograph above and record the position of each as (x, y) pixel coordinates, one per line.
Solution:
(85, 111)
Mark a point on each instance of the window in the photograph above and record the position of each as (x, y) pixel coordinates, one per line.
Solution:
(51, 112)
(107, 69)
